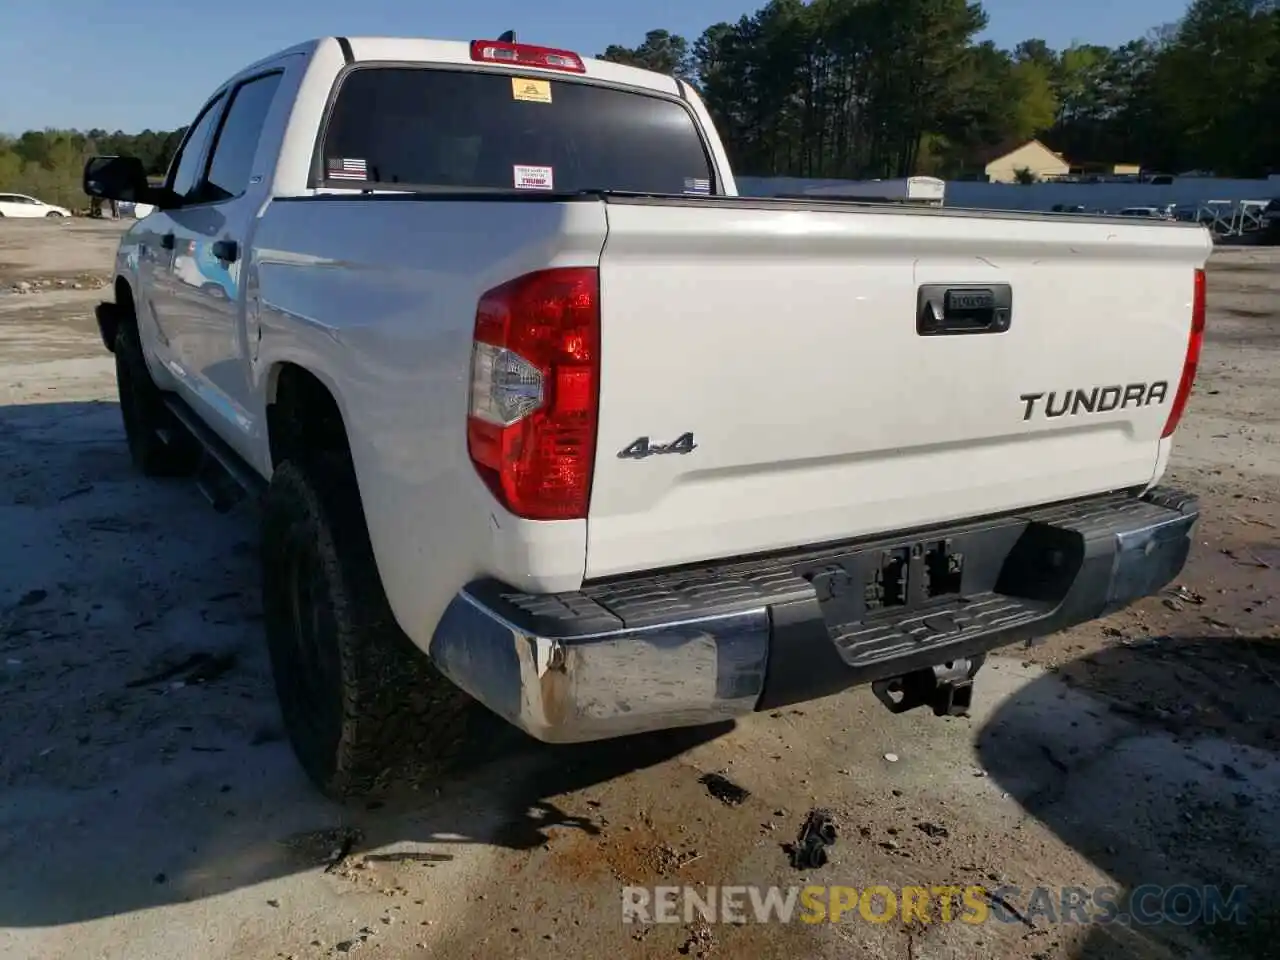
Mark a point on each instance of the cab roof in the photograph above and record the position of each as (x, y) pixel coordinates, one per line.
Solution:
(425, 50)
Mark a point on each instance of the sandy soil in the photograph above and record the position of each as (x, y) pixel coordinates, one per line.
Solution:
(150, 809)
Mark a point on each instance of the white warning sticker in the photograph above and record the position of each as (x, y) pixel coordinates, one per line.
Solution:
(534, 178)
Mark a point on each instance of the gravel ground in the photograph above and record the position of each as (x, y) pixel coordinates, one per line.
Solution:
(149, 807)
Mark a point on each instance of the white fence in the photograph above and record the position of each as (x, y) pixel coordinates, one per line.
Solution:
(1189, 193)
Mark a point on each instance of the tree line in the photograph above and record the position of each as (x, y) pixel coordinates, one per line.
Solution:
(884, 88)
(47, 163)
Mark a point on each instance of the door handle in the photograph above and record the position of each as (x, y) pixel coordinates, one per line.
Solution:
(227, 251)
(166, 241)
(944, 310)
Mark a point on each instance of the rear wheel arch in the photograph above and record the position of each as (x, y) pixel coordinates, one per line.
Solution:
(304, 417)
(358, 698)
(310, 425)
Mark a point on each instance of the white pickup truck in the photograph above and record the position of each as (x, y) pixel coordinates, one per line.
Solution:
(541, 410)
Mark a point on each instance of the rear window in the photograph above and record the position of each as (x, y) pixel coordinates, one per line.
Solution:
(421, 128)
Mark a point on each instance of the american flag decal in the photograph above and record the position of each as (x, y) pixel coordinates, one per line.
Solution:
(697, 185)
(345, 169)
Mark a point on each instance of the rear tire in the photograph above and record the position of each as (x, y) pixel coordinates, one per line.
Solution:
(358, 698)
(144, 413)
(54, 214)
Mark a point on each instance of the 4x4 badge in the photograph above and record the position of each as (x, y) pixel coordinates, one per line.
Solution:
(641, 447)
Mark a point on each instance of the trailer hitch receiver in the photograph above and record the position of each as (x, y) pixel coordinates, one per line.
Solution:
(947, 688)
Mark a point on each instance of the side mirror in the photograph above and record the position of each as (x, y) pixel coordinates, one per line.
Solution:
(118, 178)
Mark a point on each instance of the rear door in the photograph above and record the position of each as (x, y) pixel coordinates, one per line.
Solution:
(777, 375)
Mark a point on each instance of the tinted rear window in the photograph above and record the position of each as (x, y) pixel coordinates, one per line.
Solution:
(427, 128)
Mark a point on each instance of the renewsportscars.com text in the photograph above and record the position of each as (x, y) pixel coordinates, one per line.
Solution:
(1145, 905)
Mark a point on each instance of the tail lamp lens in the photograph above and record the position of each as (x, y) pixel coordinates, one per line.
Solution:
(1192, 359)
(535, 379)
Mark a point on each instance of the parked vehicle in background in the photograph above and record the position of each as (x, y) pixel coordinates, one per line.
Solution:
(18, 205)
(542, 412)
(927, 191)
(1271, 222)
(1151, 213)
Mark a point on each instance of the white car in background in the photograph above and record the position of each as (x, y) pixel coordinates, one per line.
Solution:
(20, 205)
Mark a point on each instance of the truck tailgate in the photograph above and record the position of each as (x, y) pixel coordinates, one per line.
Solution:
(786, 339)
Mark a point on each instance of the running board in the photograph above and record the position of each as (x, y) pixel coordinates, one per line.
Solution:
(223, 477)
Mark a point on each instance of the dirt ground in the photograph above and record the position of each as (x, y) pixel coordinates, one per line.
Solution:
(149, 808)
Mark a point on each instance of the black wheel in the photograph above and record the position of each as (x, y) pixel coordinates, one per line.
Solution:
(359, 700)
(52, 213)
(145, 415)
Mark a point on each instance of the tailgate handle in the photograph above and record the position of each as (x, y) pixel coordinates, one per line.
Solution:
(944, 310)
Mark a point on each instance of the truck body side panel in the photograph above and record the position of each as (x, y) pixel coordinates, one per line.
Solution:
(378, 299)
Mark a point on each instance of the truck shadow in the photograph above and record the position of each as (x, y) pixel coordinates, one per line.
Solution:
(1157, 762)
(143, 760)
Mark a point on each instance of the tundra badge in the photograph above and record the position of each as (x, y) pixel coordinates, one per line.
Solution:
(1097, 400)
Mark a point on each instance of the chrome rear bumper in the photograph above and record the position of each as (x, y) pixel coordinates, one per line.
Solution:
(694, 647)
(596, 686)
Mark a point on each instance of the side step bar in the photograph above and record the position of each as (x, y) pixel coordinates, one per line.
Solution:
(223, 477)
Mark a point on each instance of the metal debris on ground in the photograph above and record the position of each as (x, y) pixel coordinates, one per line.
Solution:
(340, 853)
(1188, 596)
(699, 943)
(810, 849)
(1141, 643)
(32, 597)
(724, 789)
(197, 668)
(328, 847)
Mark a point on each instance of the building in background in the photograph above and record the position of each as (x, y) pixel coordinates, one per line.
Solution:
(1003, 163)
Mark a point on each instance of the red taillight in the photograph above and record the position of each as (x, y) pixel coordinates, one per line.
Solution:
(525, 55)
(1192, 358)
(535, 383)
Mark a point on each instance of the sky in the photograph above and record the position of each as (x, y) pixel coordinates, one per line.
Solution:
(141, 64)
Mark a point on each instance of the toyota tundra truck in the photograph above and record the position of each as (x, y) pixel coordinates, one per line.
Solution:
(541, 413)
